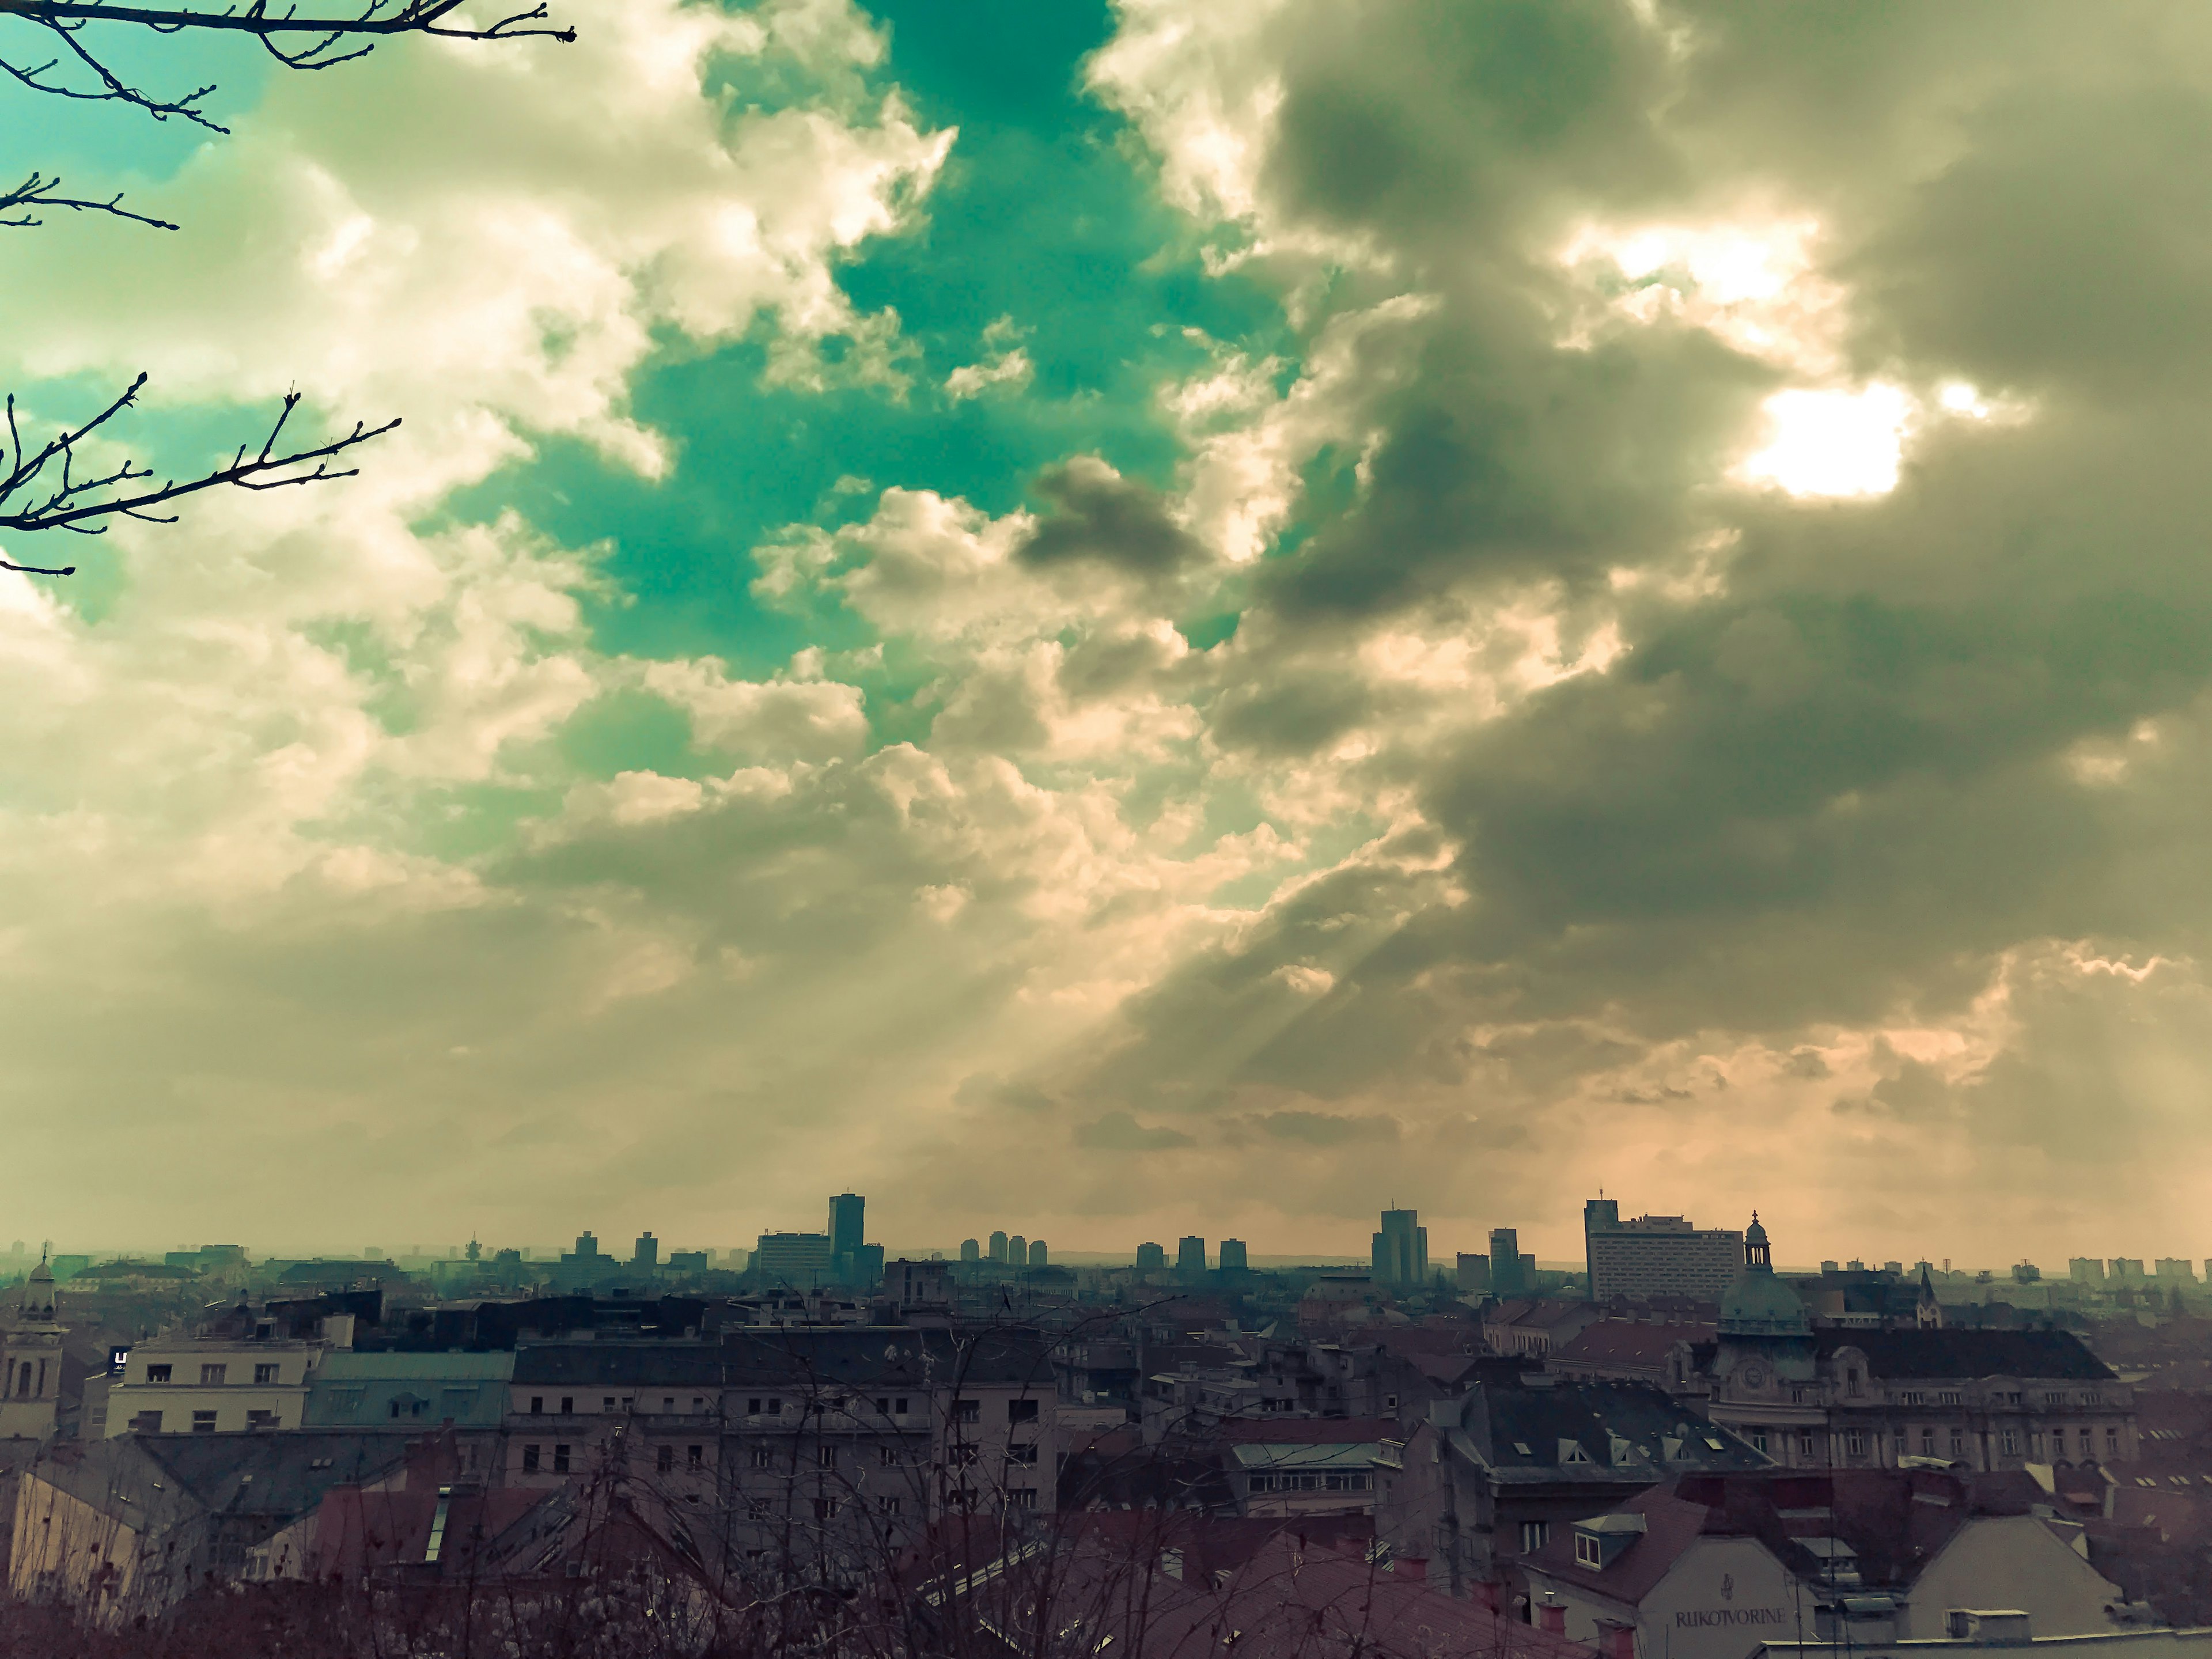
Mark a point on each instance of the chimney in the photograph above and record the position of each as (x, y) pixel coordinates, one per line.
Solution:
(1406, 1567)
(1552, 1615)
(1615, 1640)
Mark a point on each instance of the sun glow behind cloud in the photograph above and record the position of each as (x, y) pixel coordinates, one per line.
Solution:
(1833, 442)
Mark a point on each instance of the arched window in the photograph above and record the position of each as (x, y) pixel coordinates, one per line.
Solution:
(23, 1381)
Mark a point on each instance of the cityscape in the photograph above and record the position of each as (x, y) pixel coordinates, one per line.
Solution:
(1106, 830)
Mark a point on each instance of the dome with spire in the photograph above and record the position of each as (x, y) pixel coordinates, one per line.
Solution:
(1758, 1303)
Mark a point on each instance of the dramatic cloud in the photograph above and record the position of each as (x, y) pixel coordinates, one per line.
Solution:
(1609, 594)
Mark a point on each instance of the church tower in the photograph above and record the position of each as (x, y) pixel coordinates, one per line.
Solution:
(31, 1361)
(1764, 1331)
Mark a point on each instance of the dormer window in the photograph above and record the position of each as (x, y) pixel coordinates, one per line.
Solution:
(1571, 1451)
(1588, 1553)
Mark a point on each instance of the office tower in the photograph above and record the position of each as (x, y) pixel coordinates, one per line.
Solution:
(971, 1250)
(1473, 1274)
(1190, 1256)
(646, 1257)
(1151, 1258)
(801, 1261)
(1656, 1255)
(998, 1247)
(1509, 1275)
(1037, 1258)
(1018, 1251)
(1232, 1255)
(1400, 1256)
(847, 1226)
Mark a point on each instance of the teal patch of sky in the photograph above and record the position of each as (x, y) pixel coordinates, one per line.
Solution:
(1040, 215)
(106, 142)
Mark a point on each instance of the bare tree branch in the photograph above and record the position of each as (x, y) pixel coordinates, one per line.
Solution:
(41, 491)
(39, 192)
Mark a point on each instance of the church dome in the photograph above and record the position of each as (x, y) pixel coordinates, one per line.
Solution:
(1758, 1303)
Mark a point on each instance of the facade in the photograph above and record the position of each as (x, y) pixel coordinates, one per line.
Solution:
(412, 1394)
(1656, 1255)
(31, 1357)
(1190, 1256)
(1151, 1258)
(1872, 1398)
(1512, 1274)
(802, 1260)
(860, 1429)
(1233, 1260)
(213, 1385)
(848, 1224)
(1471, 1275)
(1401, 1250)
(1320, 1477)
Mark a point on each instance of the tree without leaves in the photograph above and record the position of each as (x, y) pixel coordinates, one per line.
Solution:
(49, 486)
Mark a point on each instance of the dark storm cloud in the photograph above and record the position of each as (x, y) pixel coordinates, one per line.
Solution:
(1100, 515)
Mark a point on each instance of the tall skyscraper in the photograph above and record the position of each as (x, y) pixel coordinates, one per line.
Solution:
(1510, 1272)
(647, 1255)
(998, 1247)
(1232, 1255)
(1190, 1257)
(971, 1250)
(1401, 1249)
(1151, 1258)
(1656, 1255)
(1018, 1251)
(846, 1227)
(1038, 1256)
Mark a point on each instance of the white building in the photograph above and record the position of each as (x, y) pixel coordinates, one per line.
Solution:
(213, 1385)
(31, 1361)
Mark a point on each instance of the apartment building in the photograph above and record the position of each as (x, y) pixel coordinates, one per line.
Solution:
(213, 1385)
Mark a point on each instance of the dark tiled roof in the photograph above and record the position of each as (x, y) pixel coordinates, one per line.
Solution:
(1308, 1431)
(1671, 1526)
(1501, 1420)
(1938, 1354)
(847, 1356)
(1629, 1342)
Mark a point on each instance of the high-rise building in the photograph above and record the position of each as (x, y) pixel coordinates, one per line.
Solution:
(801, 1261)
(2172, 1269)
(1232, 1255)
(1190, 1256)
(847, 1225)
(998, 1247)
(2127, 1269)
(1401, 1249)
(1473, 1274)
(971, 1250)
(645, 1256)
(1151, 1258)
(1512, 1274)
(1037, 1256)
(1656, 1255)
(1018, 1251)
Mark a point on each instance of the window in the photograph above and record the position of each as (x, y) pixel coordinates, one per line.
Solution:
(264, 1375)
(763, 1458)
(1948, 1397)
(663, 1460)
(568, 1405)
(898, 1407)
(203, 1422)
(1912, 1397)
(1928, 1443)
(960, 1454)
(1021, 1497)
(2035, 1444)
(883, 1408)
(1021, 1410)
(536, 1405)
(560, 1460)
(826, 1456)
(261, 1420)
(2088, 1443)
(698, 1402)
(695, 1457)
(967, 1410)
(2010, 1443)
(607, 1403)
(1758, 1442)
(1534, 1534)
(1587, 1553)
(628, 1403)
(1855, 1442)
(1027, 1454)
(887, 1505)
(211, 1375)
(775, 1408)
(2111, 1440)
(146, 1423)
(1806, 1450)
(668, 1402)
(157, 1373)
(887, 1455)
(530, 1459)
(1958, 1444)
(825, 1509)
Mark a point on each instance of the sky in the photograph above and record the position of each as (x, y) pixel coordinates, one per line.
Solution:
(1112, 621)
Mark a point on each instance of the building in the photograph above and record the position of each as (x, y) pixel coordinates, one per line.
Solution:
(1853, 1398)
(998, 1251)
(971, 1250)
(1401, 1249)
(920, 1287)
(31, 1357)
(1190, 1257)
(1232, 1256)
(1472, 1275)
(2125, 1270)
(1712, 1566)
(1303, 1467)
(1656, 1255)
(645, 1255)
(130, 1526)
(254, 1383)
(1018, 1251)
(2086, 1270)
(848, 1223)
(1485, 1477)
(2174, 1270)
(1039, 1256)
(1512, 1274)
(802, 1260)
(1151, 1258)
